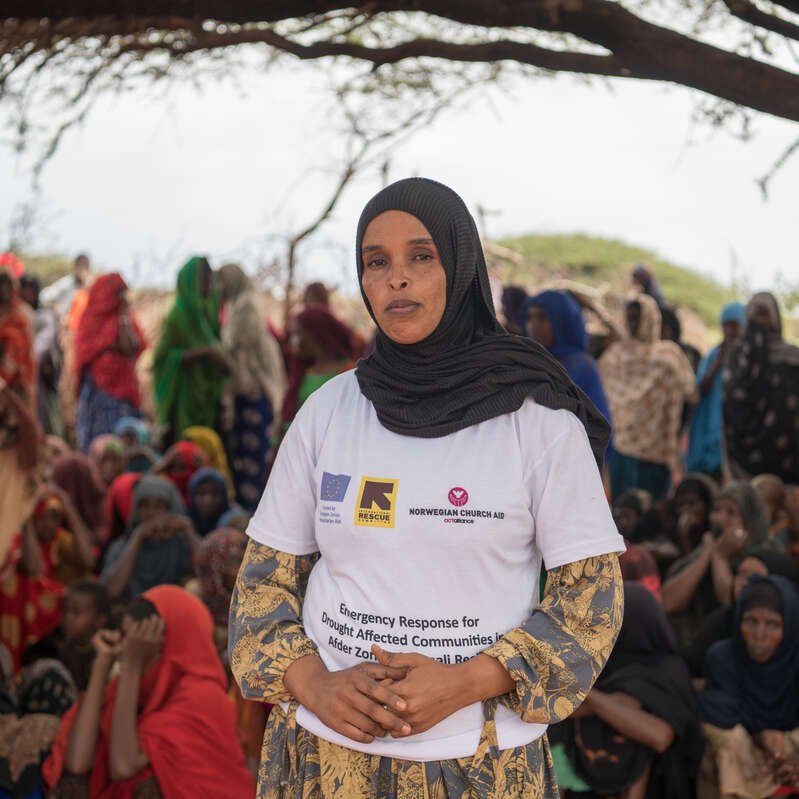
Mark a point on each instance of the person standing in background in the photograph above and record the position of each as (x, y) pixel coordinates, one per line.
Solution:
(704, 449)
(647, 381)
(47, 348)
(189, 365)
(254, 394)
(107, 345)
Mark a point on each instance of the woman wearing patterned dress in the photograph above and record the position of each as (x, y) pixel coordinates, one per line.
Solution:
(256, 387)
(388, 599)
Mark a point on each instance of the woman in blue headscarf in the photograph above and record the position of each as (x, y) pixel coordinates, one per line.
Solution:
(555, 321)
(704, 450)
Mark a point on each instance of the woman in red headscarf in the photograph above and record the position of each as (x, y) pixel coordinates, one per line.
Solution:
(107, 345)
(164, 727)
(321, 348)
(19, 431)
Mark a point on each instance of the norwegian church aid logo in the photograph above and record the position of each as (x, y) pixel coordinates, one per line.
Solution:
(458, 496)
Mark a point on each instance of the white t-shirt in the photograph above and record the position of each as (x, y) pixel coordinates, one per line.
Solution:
(429, 545)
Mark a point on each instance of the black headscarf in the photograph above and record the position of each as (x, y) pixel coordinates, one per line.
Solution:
(760, 696)
(469, 369)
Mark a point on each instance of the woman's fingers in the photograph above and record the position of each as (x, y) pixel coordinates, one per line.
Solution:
(395, 660)
(383, 695)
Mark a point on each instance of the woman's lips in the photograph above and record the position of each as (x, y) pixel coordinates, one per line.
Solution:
(401, 307)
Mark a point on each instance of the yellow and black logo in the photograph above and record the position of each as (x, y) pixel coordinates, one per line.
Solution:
(376, 502)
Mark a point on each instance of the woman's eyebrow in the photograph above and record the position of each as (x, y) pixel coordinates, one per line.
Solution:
(371, 247)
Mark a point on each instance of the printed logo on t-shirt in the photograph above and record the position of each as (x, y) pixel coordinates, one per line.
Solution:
(334, 487)
(458, 496)
(376, 502)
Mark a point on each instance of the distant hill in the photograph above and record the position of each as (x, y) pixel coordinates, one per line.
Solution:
(607, 263)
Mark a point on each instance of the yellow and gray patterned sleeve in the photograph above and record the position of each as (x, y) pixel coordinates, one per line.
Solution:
(266, 634)
(556, 656)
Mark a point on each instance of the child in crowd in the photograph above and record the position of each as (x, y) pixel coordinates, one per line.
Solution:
(87, 609)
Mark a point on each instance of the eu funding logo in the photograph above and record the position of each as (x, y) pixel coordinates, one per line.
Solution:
(458, 496)
(334, 487)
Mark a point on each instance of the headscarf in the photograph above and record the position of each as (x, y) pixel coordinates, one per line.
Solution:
(638, 565)
(45, 686)
(78, 476)
(17, 365)
(704, 450)
(12, 265)
(776, 562)
(204, 525)
(753, 511)
(193, 458)
(760, 696)
(570, 345)
(162, 561)
(98, 332)
(513, 299)
(333, 335)
(103, 444)
(186, 725)
(219, 551)
(188, 393)
(761, 399)
(211, 444)
(469, 369)
(701, 485)
(647, 381)
(119, 504)
(650, 285)
(138, 427)
(256, 360)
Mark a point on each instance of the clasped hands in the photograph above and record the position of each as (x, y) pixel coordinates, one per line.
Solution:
(399, 695)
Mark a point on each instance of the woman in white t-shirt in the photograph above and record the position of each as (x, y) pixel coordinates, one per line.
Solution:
(388, 599)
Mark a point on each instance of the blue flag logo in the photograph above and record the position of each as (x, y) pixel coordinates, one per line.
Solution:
(334, 486)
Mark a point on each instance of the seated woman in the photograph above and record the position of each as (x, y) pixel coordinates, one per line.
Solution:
(108, 454)
(701, 581)
(750, 707)
(164, 727)
(717, 625)
(135, 436)
(178, 465)
(78, 475)
(636, 734)
(158, 546)
(52, 550)
(208, 500)
(30, 716)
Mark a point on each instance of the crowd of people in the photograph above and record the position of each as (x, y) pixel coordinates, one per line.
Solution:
(122, 535)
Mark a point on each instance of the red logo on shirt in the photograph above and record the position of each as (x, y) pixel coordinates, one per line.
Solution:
(458, 496)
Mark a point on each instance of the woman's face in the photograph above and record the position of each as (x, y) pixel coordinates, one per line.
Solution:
(747, 568)
(538, 326)
(111, 465)
(47, 524)
(761, 314)
(626, 520)
(692, 506)
(208, 500)
(403, 277)
(726, 515)
(762, 632)
(151, 507)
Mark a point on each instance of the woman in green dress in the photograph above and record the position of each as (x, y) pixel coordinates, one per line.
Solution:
(189, 366)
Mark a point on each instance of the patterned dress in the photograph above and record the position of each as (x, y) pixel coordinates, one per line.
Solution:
(555, 657)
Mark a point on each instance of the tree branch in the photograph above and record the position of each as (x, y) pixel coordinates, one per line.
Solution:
(749, 12)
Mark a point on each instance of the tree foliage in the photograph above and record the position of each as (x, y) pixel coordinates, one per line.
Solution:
(57, 57)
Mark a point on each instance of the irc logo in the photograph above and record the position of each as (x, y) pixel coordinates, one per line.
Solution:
(376, 503)
(458, 496)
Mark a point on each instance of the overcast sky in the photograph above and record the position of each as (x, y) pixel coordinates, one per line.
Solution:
(147, 181)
